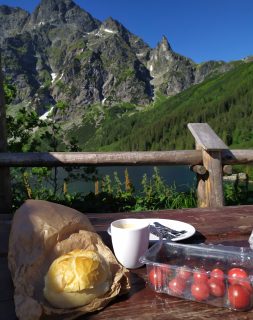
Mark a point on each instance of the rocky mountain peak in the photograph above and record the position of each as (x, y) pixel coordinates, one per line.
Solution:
(56, 12)
(171, 72)
(4, 9)
(112, 26)
(51, 10)
(164, 45)
(138, 46)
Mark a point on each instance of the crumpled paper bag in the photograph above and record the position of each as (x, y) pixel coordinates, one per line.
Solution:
(42, 231)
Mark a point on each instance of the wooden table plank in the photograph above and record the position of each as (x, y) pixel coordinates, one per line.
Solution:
(224, 225)
(221, 223)
(6, 293)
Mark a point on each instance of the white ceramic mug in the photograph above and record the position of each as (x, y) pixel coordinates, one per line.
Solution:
(130, 240)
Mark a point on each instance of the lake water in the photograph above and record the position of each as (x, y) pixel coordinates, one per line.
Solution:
(180, 176)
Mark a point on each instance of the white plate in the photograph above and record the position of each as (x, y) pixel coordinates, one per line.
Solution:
(174, 224)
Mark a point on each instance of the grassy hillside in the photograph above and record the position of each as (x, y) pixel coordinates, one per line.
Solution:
(225, 102)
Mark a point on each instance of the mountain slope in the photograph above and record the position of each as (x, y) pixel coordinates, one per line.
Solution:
(224, 101)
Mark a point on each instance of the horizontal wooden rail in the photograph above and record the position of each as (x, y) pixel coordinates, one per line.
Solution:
(237, 156)
(49, 159)
(178, 157)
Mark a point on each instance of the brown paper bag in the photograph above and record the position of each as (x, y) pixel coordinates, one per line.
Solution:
(42, 231)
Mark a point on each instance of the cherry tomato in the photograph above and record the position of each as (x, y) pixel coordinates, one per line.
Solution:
(217, 273)
(166, 270)
(236, 274)
(156, 277)
(217, 287)
(177, 286)
(246, 284)
(238, 296)
(200, 275)
(200, 291)
(184, 273)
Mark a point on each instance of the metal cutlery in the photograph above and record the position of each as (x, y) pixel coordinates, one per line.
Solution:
(164, 232)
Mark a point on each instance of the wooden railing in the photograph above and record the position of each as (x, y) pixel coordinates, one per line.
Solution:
(209, 161)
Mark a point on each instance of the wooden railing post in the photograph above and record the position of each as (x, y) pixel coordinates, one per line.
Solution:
(210, 185)
(5, 180)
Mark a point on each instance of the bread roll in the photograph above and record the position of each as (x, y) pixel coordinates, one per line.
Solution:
(76, 278)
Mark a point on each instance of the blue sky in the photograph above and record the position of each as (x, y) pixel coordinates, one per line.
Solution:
(199, 29)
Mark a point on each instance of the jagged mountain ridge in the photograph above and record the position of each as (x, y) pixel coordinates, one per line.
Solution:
(61, 53)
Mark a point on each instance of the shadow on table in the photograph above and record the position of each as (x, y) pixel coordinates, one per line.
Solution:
(137, 285)
(195, 239)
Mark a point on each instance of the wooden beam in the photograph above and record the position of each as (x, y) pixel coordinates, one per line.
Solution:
(214, 183)
(199, 169)
(227, 169)
(201, 190)
(237, 156)
(205, 137)
(52, 159)
(177, 157)
(210, 185)
(5, 180)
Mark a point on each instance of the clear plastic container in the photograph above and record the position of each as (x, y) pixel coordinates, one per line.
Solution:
(214, 274)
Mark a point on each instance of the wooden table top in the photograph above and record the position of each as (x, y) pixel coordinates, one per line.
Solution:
(228, 225)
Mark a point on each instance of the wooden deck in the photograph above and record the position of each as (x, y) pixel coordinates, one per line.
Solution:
(228, 225)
